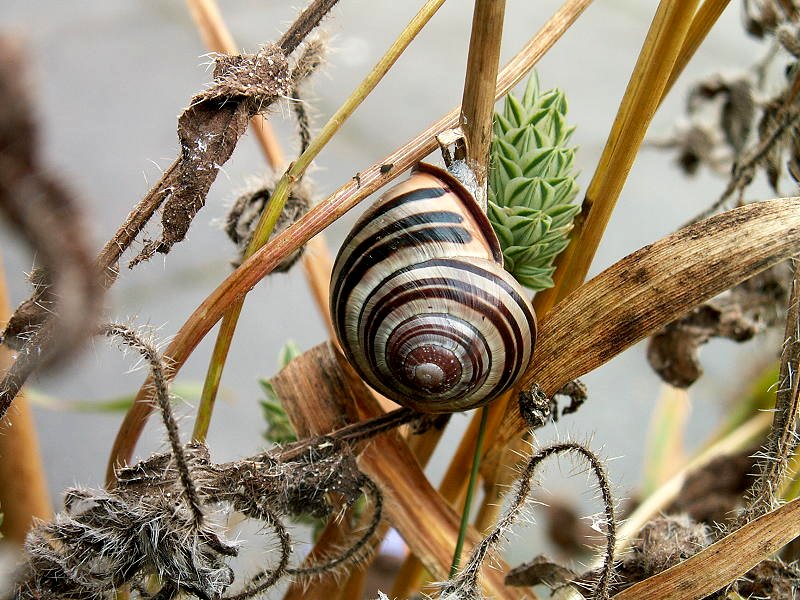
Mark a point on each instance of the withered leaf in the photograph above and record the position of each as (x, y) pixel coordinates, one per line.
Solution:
(741, 313)
(208, 132)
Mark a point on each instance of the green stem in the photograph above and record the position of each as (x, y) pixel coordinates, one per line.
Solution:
(473, 480)
(270, 216)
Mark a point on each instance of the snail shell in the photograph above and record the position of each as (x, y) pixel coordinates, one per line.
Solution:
(420, 301)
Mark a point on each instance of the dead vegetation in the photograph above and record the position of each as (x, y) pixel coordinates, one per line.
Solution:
(158, 530)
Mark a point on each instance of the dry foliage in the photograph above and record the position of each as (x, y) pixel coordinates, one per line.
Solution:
(158, 531)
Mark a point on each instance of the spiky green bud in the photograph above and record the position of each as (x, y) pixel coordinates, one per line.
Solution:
(532, 183)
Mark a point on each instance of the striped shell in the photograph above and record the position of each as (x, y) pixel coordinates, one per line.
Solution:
(420, 301)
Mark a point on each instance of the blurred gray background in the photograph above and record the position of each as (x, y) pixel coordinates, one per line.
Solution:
(111, 77)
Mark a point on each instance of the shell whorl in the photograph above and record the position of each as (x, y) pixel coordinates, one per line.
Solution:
(421, 303)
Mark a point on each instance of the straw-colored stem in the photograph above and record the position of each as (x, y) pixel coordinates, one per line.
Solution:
(642, 97)
(708, 14)
(23, 487)
(323, 214)
(269, 217)
(477, 103)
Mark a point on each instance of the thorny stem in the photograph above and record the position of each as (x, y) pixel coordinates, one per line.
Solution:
(304, 24)
(323, 214)
(473, 481)
(269, 217)
(467, 579)
(149, 352)
(783, 440)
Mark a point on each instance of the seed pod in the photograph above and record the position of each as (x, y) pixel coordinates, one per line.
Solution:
(421, 303)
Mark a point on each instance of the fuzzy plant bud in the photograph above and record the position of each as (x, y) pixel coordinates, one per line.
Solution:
(532, 183)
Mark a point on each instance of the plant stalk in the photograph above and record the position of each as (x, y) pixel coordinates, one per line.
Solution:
(473, 480)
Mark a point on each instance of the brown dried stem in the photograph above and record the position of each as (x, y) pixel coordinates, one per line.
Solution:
(477, 103)
(305, 24)
(783, 439)
(323, 214)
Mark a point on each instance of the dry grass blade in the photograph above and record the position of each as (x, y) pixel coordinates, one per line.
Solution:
(642, 97)
(703, 20)
(722, 562)
(652, 287)
(428, 525)
(322, 215)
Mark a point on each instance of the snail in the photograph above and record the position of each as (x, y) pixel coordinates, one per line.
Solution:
(421, 304)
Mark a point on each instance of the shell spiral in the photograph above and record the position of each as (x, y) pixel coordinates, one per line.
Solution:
(420, 301)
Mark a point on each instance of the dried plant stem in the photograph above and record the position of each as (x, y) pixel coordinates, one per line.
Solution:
(702, 22)
(323, 214)
(305, 23)
(724, 561)
(23, 487)
(477, 104)
(269, 217)
(783, 441)
(148, 350)
(642, 97)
